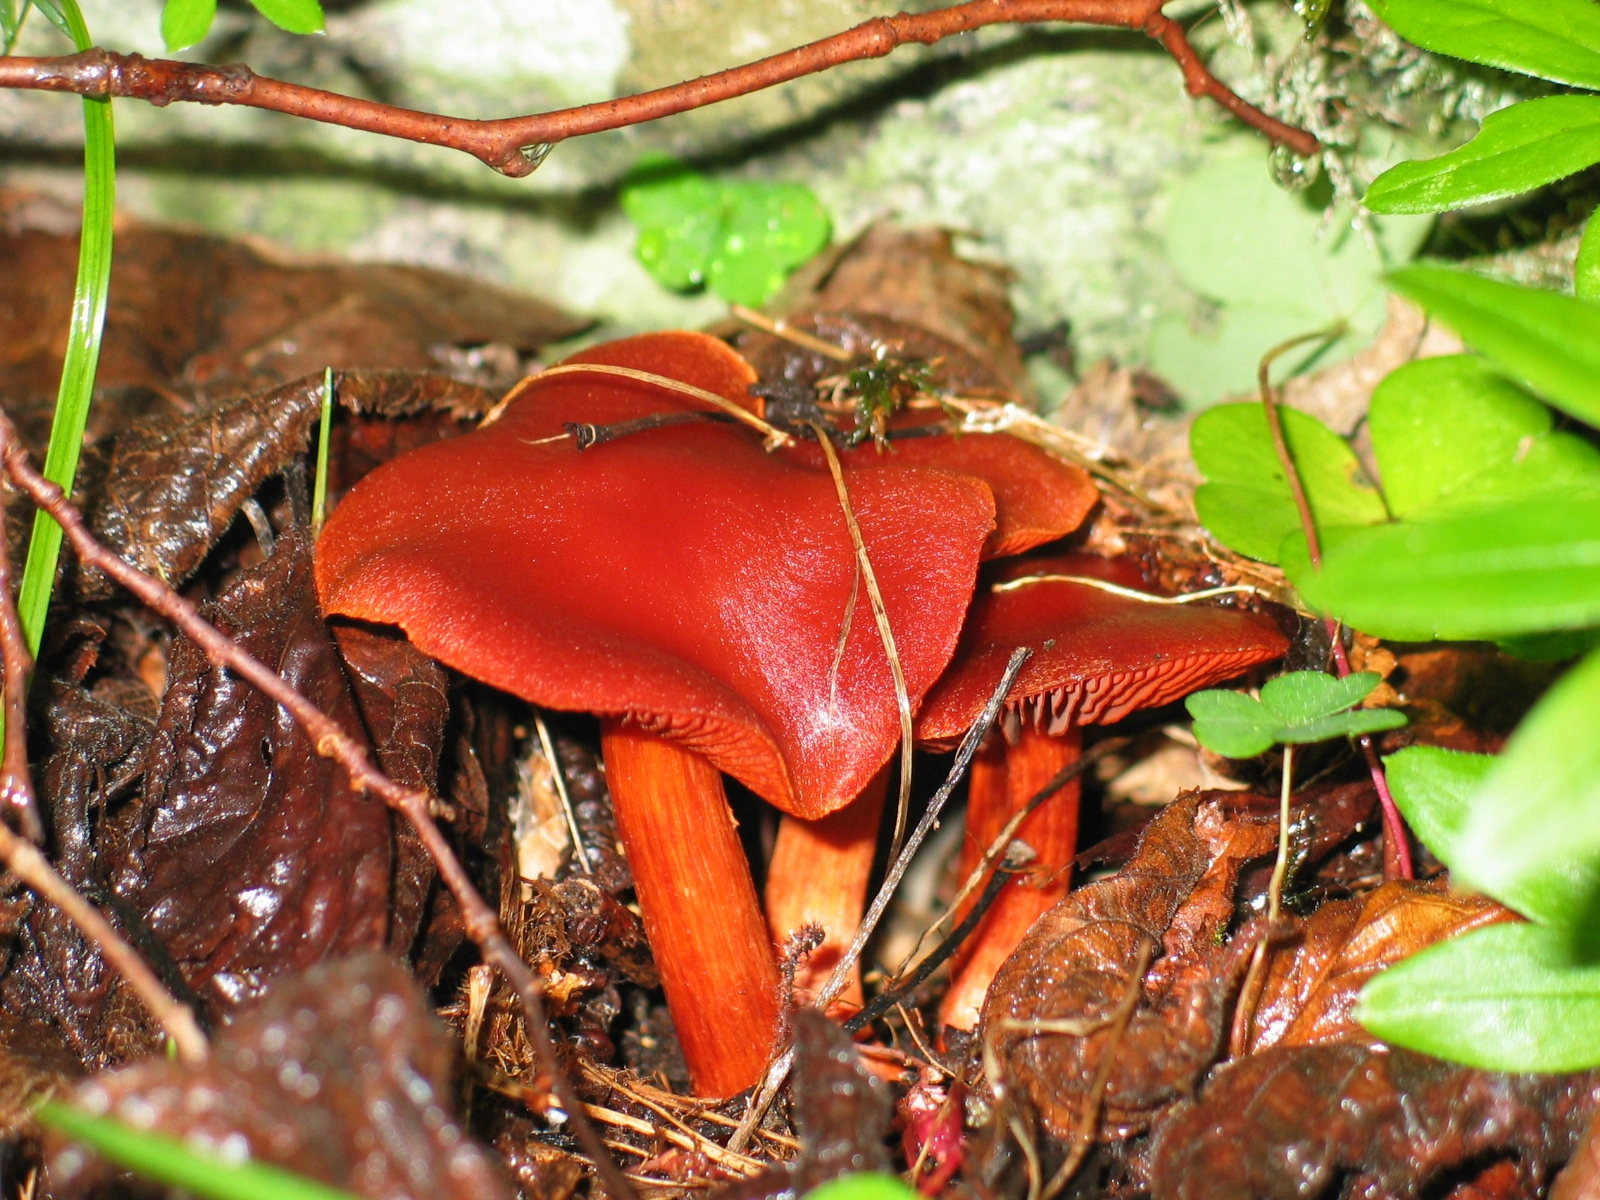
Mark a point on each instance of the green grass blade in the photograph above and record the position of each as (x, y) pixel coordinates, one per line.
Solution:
(172, 1162)
(83, 342)
(1518, 149)
(319, 494)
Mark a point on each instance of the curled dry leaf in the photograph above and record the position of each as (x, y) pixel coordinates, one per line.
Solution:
(340, 1073)
(174, 482)
(248, 855)
(1294, 1121)
(1174, 897)
(1317, 974)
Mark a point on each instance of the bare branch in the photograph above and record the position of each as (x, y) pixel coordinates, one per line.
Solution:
(331, 742)
(516, 146)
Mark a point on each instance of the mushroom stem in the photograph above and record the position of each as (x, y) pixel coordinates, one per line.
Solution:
(699, 906)
(819, 874)
(1003, 780)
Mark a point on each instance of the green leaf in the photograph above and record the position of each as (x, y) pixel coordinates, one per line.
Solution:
(1532, 840)
(185, 22)
(1433, 788)
(1247, 504)
(767, 231)
(741, 239)
(296, 16)
(1450, 434)
(1548, 342)
(1347, 724)
(1522, 567)
(1505, 998)
(1299, 697)
(865, 1185)
(1586, 271)
(1231, 723)
(173, 1162)
(1553, 39)
(1519, 148)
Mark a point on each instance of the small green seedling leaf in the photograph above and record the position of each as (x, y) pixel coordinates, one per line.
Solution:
(1505, 998)
(186, 22)
(1546, 341)
(1246, 503)
(1532, 840)
(1434, 788)
(1519, 148)
(296, 16)
(740, 239)
(1451, 434)
(865, 1185)
(170, 1161)
(1232, 724)
(1523, 567)
(1298, 708)
(1586, 271)
(1553, 39)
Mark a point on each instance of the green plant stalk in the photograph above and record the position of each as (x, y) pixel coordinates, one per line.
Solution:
(319, 494)
(83, 343)
(171, 1161)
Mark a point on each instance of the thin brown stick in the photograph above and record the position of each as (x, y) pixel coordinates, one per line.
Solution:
(516, 146)
(331, 741)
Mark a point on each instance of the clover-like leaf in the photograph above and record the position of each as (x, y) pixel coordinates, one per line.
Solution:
(1300, 707)
(1231, 723)
(740, 239)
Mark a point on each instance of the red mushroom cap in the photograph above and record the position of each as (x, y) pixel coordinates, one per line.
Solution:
(682, 576)
(1038, 498)
(1097, 656)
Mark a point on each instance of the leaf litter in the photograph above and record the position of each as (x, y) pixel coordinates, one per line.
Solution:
(278, 900)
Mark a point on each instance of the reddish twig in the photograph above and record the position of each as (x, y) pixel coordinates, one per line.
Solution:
(516, 146)
(332, 742)
(16, 785)
(1396, 842)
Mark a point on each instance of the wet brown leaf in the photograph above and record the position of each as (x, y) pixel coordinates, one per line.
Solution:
(1317, 973)
(1173, 899)
(1295, 1121)
(248, 855)
(340, 1073)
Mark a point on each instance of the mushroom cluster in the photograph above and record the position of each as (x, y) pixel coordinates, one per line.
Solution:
(699, 594)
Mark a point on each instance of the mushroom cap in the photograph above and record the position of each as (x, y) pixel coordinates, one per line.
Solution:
(1038, 498)
(682, 577)
(1097, 656)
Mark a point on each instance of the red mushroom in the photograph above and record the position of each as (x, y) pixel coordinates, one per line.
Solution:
(690, 588)
(1098, 656)
(820, 869)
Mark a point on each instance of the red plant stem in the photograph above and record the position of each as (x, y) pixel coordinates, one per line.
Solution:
(1003, 780)
(699, 906)
(1397, 862)
(478, 919)
(515, 145)
(16, 785)
(819, 875)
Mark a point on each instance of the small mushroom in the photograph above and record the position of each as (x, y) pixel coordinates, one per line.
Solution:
(1098, 656)
(819, 870)
(691, 589)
